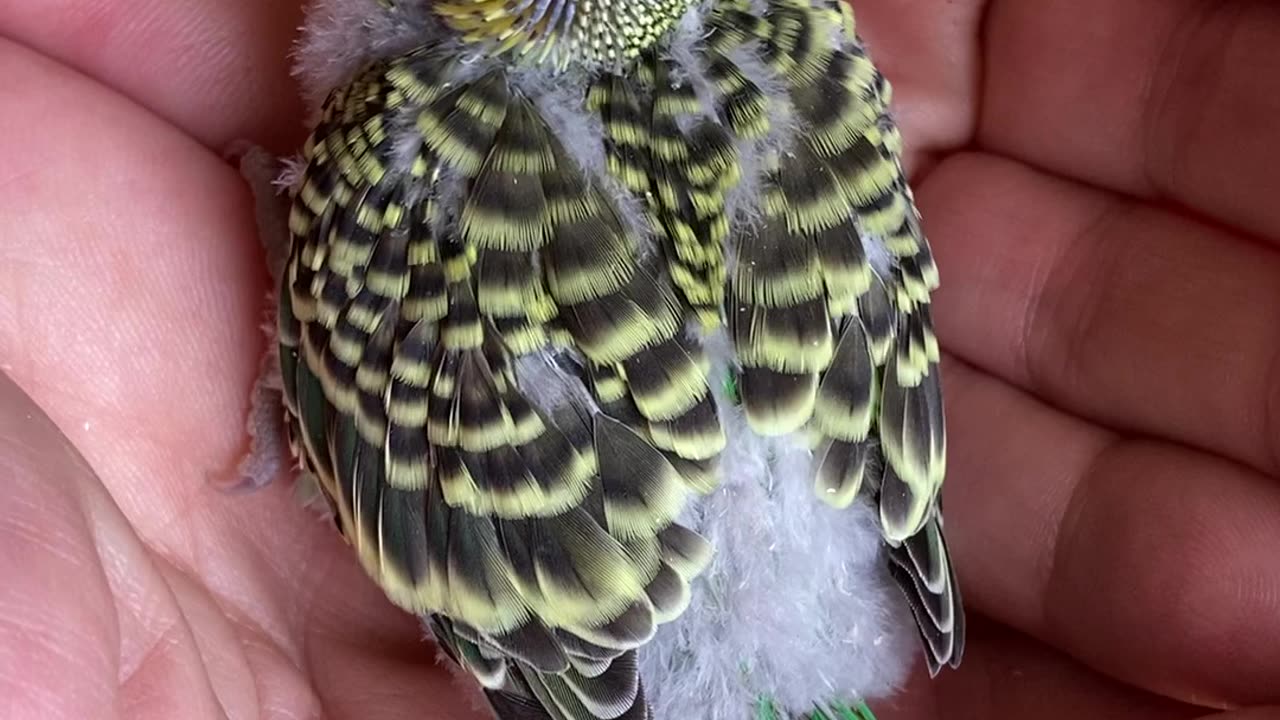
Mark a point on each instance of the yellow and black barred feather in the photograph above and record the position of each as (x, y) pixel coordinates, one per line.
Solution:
(828, 340)
(408, 299)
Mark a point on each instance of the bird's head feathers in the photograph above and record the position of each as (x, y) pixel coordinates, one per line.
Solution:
(563, 33)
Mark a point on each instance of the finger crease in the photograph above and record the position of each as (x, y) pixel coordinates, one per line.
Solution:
(1056, 331)
(1067, 534)
(1177, 94)
(1271, 410)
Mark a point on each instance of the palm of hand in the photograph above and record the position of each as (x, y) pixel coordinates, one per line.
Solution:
(1114, 400)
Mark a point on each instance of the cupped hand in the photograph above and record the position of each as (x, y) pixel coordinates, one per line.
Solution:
(1097, 178)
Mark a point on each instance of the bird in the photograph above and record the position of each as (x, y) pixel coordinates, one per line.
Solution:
(568, 278)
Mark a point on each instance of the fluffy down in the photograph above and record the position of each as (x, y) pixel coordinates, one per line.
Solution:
(792, 580)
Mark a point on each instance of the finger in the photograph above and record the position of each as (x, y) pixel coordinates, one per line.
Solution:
(1009, 676)
(1147, 561)
(929, 52)
(132, 285)
(1158, 98)
(219, 69)
(396, 676)
(1116, 311)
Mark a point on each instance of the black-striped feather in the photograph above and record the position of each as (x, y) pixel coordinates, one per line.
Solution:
(535, 529)
(880, 392)
(405, 311)
(922, 568)
(824, 342)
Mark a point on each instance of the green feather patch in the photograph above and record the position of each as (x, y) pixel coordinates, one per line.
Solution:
(767, 709)
(731, 387)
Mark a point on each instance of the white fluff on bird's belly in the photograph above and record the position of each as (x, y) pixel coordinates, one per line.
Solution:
(796, 604)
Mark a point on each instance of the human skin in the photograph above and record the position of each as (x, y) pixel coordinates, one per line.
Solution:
(1098, 179)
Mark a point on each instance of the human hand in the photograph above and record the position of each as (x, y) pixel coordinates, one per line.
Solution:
(1110, 511)
(131, 292)
(1098, 179)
